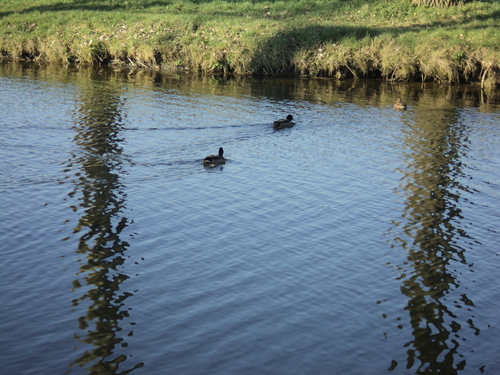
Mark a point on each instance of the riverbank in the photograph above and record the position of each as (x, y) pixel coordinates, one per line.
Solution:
(391, 39)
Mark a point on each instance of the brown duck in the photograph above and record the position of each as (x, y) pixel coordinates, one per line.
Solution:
(400, 104)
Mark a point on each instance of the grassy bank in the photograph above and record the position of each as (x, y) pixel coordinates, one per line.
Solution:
(392, 39)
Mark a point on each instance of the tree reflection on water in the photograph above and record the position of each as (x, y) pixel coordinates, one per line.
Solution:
(99, 163)
(434, 240)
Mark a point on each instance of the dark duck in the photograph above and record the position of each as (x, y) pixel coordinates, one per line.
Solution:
(284, 123)
(214, 160)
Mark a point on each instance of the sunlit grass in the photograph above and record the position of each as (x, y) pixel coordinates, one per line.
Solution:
(392, 39)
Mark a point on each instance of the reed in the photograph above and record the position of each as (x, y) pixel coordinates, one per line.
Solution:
(392, 39)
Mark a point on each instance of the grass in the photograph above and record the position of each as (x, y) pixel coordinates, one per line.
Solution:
(392, 39)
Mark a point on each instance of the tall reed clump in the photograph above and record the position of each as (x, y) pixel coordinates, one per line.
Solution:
(397, 61)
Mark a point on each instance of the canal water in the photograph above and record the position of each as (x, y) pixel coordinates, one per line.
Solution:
(363, 240)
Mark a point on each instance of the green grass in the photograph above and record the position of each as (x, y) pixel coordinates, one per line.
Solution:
(392, 39)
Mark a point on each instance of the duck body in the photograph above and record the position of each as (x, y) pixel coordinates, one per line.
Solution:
(215, 160)
(284, 123)
(400, 104)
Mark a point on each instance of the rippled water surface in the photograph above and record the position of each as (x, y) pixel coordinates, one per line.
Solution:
(361, 241)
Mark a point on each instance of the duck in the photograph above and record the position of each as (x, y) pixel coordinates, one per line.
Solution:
(400, 104)
(214, 160)
(284, 123)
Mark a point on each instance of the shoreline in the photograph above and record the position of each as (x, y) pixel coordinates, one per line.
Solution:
(392, 40)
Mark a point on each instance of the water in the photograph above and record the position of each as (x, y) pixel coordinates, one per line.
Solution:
(361, 241)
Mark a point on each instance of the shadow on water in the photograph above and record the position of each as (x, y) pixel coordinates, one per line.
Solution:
(434, 239)
(97, 165)
(325, 91)
(316, 91)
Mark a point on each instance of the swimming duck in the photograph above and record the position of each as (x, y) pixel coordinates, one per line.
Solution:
(214, 160)
(284, 123)
(400, 104)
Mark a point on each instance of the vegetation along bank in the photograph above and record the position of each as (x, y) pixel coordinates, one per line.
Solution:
(429, 40)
